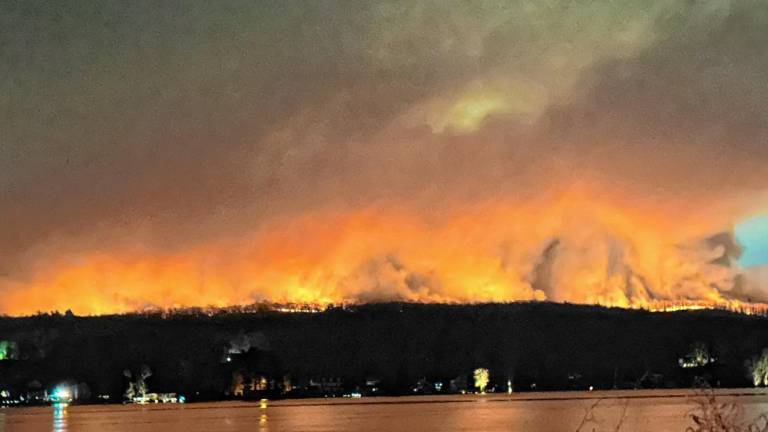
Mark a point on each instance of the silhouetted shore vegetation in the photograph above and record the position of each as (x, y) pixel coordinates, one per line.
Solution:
(378, 349)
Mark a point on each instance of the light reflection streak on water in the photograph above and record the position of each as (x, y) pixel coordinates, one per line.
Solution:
(59, 417)
(263, 418)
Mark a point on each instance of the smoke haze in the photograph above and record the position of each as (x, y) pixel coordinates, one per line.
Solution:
(196, 153)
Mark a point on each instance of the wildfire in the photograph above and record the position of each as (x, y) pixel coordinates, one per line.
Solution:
(688, 305)
(579, 246)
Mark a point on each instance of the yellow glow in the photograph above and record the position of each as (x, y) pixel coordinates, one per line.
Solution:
(467, 111)
(482, 377)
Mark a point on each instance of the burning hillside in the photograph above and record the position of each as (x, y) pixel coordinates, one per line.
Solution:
(579, 247)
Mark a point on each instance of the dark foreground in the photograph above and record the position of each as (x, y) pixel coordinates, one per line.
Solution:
(642, 410)
(378, 349)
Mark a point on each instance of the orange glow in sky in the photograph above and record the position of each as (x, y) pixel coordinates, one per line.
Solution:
(608, 251)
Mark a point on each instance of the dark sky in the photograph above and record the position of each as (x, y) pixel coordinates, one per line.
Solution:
(175, 153)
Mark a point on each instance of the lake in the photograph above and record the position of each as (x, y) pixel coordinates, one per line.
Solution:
(639, 410)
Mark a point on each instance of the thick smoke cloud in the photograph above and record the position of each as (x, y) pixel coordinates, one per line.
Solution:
(688, 114)
(177, 148)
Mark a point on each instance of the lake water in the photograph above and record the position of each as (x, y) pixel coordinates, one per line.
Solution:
(641, 410)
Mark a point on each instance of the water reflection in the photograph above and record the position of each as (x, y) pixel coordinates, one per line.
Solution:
(635, 411)
(59, 417)
(263, 418)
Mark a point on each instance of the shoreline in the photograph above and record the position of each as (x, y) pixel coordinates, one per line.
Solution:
(543, 396)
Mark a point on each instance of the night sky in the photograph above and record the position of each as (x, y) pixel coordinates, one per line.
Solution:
(223, 152)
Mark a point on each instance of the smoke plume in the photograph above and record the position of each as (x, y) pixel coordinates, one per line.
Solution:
(225, 153)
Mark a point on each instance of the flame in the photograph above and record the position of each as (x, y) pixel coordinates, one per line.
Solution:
(581, 246)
